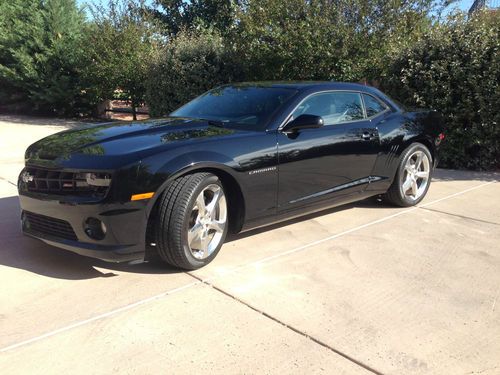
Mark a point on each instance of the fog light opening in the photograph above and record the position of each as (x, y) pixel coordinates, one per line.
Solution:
(94, 228)
(25, 224)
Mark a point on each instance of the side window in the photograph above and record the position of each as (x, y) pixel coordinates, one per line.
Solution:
(373, 106)
(334, 107)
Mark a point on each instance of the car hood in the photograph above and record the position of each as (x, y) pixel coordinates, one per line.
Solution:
(128, 140)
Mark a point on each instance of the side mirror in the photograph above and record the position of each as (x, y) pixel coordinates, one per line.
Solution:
(303, 122)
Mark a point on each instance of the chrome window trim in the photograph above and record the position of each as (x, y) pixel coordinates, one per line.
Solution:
(287, 119)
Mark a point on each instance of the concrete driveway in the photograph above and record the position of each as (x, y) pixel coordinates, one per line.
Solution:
(365, 288)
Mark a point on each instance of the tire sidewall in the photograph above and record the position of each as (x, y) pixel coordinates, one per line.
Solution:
(197, 263)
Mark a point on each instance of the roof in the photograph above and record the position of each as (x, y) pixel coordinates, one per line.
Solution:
(303, 85)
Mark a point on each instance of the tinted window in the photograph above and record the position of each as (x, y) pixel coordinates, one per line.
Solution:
(245, 105)
(334, 107)
(373, 106)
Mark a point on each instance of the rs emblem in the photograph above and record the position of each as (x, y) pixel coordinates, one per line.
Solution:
(26, 177)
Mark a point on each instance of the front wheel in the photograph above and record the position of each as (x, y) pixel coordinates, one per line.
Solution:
(413, 177)
(193, 221)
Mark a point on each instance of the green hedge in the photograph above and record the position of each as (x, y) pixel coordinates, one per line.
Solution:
(455, 69)
(187, 66)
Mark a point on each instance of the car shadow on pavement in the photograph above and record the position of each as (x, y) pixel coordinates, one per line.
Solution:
(23, 252)
(32, 255)
(373, 202)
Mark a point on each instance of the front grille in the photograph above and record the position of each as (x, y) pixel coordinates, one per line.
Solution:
(48, 225)
(61, 183)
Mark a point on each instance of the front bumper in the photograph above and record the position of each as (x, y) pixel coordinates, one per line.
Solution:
(125, 227)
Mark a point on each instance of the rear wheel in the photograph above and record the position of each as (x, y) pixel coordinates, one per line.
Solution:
(193, 221)
(413, 177)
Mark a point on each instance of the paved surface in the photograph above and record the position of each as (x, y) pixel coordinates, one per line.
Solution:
(361, 289)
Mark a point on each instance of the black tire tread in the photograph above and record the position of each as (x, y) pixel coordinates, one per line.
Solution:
(173, 206)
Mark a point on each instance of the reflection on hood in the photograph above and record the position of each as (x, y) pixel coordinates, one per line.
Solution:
(194, 133)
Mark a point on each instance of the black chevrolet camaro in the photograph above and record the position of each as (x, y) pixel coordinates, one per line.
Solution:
(238, 157)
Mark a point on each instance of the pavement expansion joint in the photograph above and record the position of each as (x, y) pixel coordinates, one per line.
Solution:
(288, 326)
(460, 216)
(8, 181)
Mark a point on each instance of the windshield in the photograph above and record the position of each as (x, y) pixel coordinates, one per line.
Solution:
(250, 106)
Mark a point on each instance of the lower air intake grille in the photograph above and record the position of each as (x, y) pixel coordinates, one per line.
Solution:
(48, 225)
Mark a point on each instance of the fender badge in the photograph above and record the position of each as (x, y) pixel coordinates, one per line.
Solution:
(262, 170)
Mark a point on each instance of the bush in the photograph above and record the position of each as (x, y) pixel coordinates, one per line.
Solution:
(40, 54)
(455, 69)
(190, 64)
(322, 40)
(119, 44)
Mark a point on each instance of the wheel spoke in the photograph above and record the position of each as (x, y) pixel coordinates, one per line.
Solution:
(194, 235)
(204, 242)
(200, 203)
(422, 174)
(414, 188)
(213, 203)
(418, 162)
(209, 214)
(407, 184)
(218, 226)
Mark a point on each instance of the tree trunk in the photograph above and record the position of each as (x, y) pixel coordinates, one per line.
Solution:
(134, 112)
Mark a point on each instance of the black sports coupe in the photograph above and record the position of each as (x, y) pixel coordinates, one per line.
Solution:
(238, 157)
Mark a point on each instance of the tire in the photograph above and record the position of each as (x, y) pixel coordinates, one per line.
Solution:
(189, 232)
(410, 184)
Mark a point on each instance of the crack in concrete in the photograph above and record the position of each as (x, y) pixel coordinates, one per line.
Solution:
(8, 181)
(460, 216)
(288, 326)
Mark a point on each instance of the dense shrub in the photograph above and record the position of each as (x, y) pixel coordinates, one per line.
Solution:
(275, 40)
(119, 44)
(188, 65)
(455, 69)
(40, 54)
(322, 40)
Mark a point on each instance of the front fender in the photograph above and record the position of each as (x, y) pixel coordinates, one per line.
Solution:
(236, 159)
(185, 163)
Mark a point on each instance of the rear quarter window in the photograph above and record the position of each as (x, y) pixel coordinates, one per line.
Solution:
(373, 106)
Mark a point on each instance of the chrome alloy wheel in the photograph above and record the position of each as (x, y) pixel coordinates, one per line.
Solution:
(416, 175)
(207, 222)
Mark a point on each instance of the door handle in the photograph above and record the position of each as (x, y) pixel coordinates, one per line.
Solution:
(367, 136)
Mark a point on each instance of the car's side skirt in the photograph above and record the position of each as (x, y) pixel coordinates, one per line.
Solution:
(361, 181)
(305, 209)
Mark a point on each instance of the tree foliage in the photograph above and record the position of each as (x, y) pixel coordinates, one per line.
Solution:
(277, 40)
(178, 15)
(119, 42)
(323, 39)
(188, 65)
(40, 53)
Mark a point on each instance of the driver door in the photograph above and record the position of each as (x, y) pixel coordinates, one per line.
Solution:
(331, 163)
